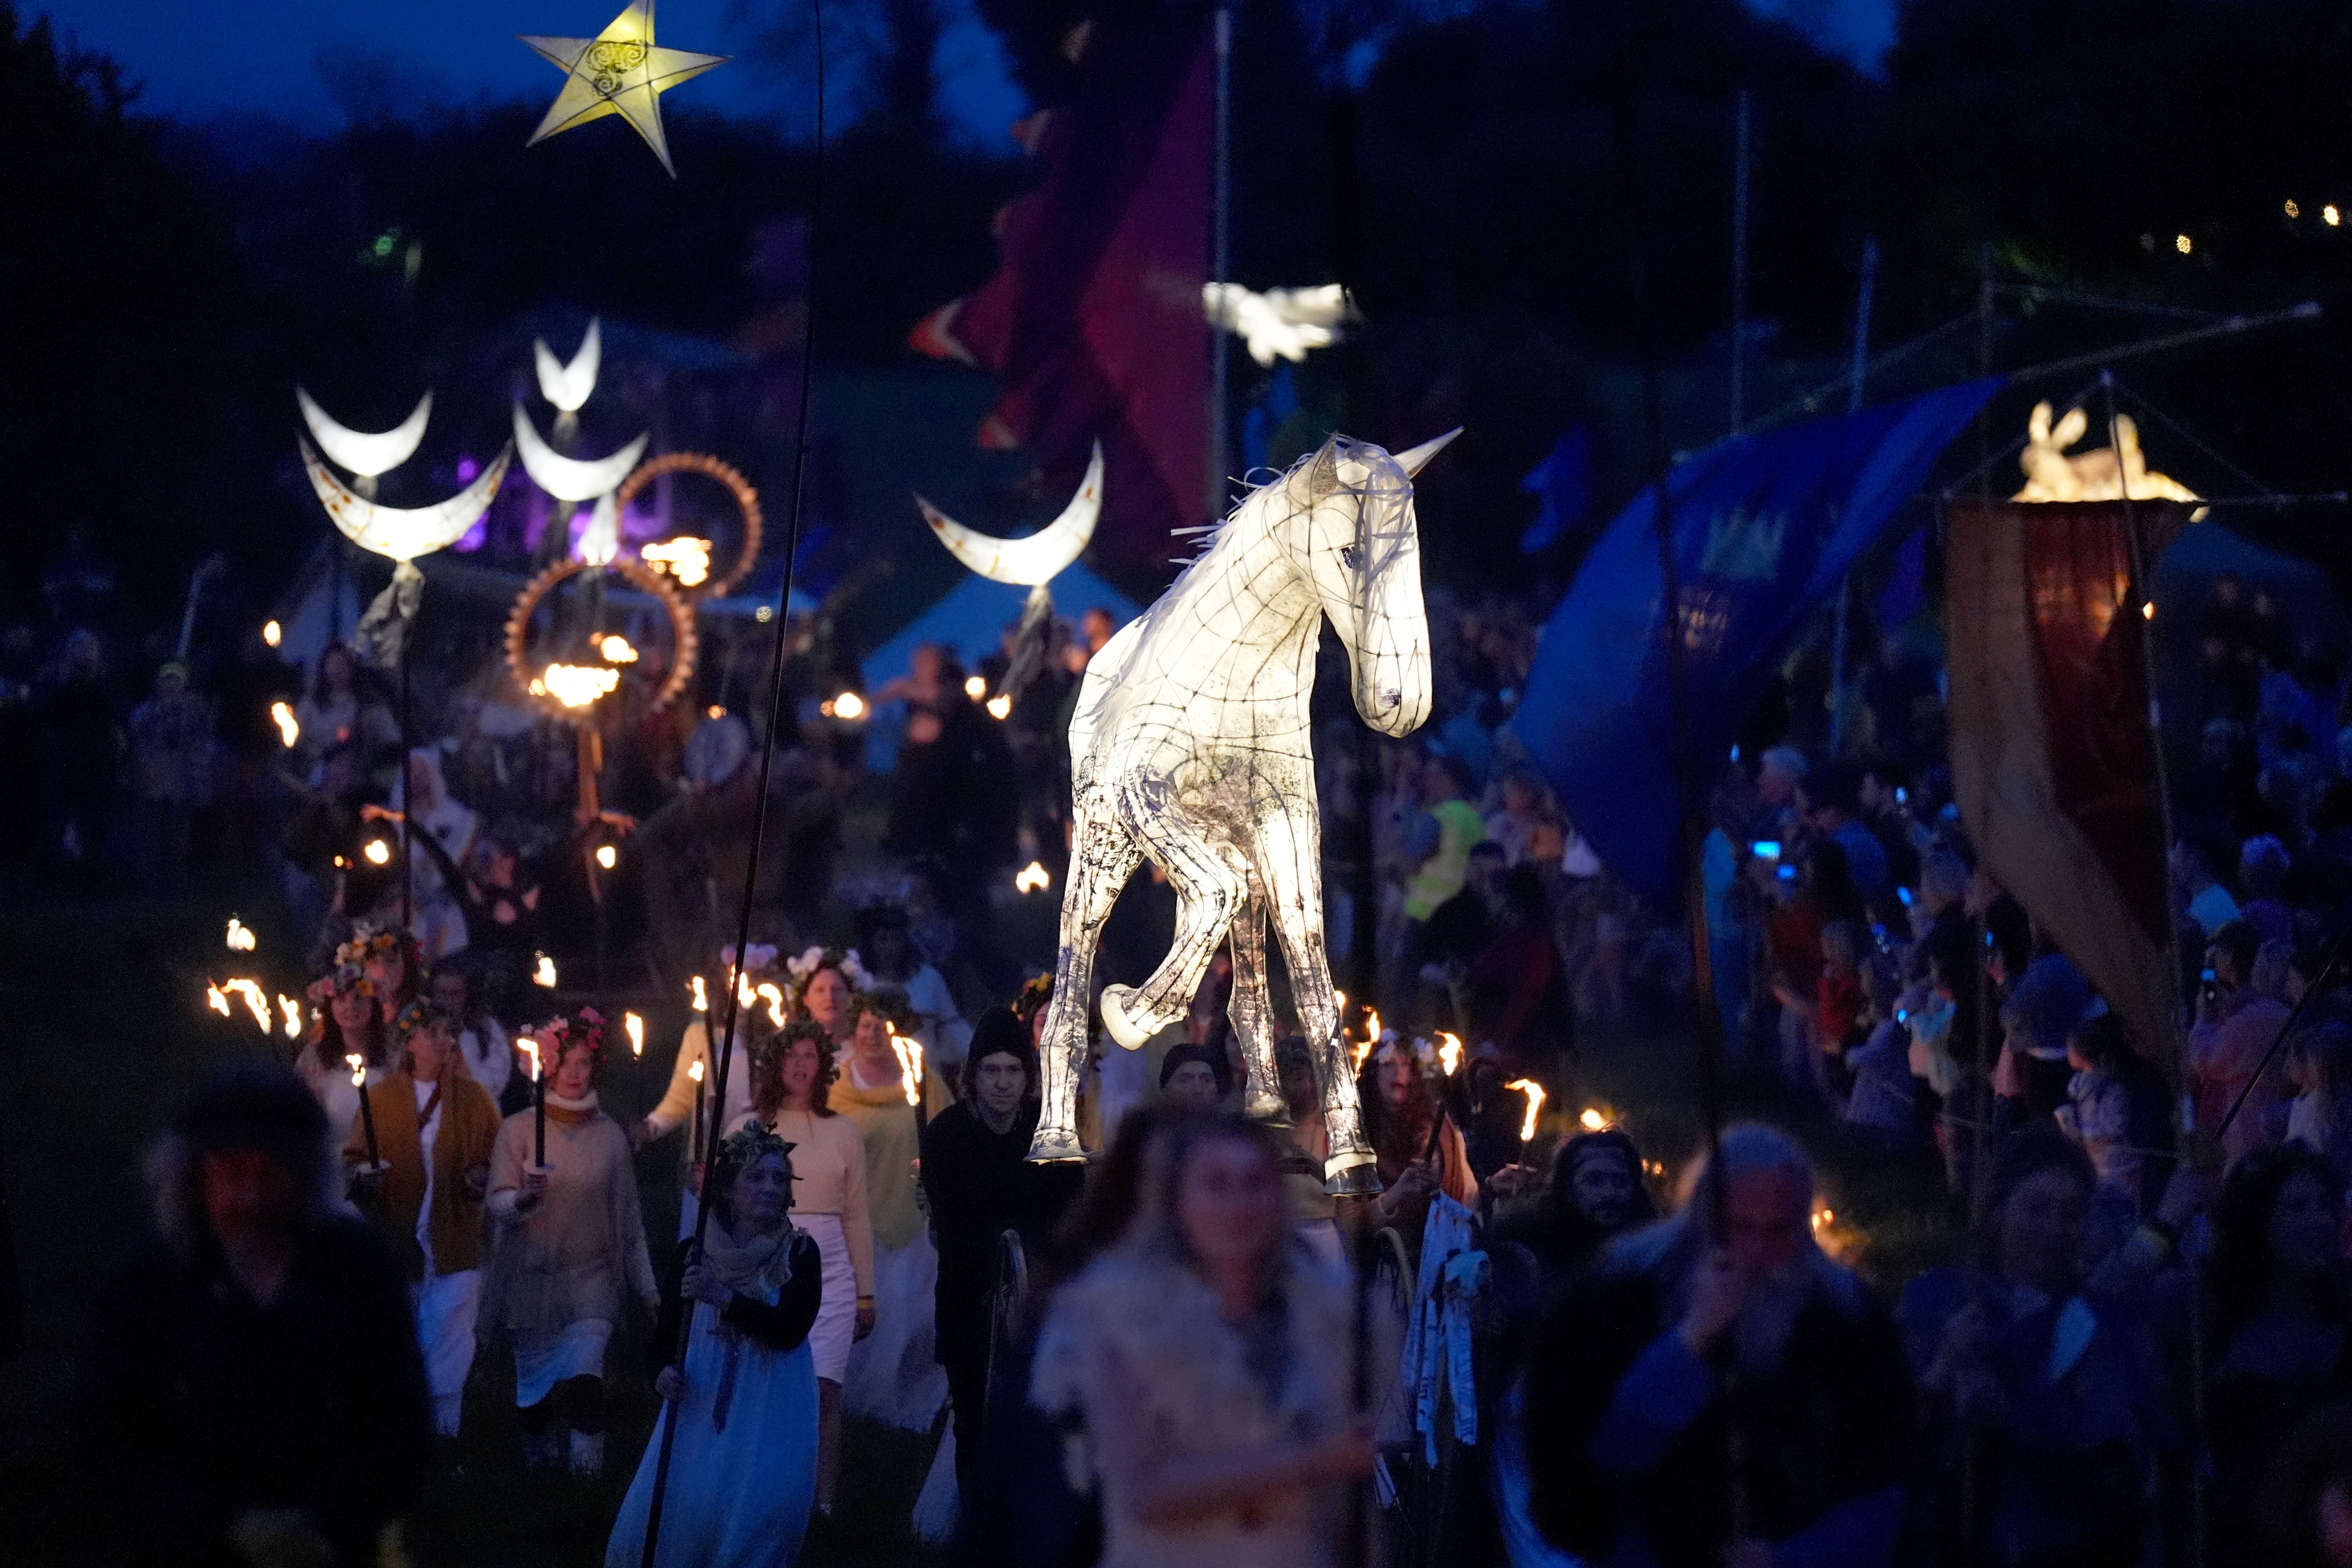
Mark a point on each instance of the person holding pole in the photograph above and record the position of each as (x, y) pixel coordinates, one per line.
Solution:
(424, 1185)
(743, 1465)
(569, 1253)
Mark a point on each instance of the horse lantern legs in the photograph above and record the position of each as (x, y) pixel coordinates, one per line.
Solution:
(1104, 858)
(1252, 1011)
(1211, 886)
(1291, 863)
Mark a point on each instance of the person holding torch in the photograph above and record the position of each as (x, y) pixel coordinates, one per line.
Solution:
(569, 1253)
(425, 1180)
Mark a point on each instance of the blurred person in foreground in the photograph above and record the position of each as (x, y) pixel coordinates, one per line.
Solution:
(255, 1389)
(1208, 1359)
(1688, 1333)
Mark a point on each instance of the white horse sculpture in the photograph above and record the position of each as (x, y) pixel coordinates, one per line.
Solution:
(1190, 745)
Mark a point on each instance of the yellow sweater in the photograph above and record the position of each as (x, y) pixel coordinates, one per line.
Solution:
(888, 1123)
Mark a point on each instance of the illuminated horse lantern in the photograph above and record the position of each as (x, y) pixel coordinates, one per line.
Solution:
(1190, 745)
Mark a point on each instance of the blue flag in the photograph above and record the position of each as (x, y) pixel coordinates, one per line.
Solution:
(1765, 527)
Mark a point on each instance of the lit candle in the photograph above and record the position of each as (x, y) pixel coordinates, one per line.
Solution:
(1534, 1093)
(367, 1112)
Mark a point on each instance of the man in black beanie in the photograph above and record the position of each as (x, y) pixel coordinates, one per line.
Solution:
(978, 1184)
(255, 1387)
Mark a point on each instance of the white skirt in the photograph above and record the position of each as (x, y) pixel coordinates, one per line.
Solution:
(837, 1313)
(445, 1307)
(895, 1376)
(579, 1353)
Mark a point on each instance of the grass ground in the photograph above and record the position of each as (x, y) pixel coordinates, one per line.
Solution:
(101, 1030)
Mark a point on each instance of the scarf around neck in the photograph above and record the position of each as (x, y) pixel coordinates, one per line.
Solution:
(570, 1112)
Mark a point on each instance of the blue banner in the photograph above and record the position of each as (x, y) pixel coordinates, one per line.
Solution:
(1765, 527)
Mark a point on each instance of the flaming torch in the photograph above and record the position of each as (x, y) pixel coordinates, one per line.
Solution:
(1534, 1093)
(530, 1045)
(634, 1027)
(909, 1053)
(293, 1011)
(358, 1064)
(694, 1142)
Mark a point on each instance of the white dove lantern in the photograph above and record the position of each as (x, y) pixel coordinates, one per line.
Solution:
(1281, 323)
(567, 386)
(1031, 563)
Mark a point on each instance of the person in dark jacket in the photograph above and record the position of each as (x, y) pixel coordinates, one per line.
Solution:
(978, 1184)
(1692, 1336)
(255, 1391)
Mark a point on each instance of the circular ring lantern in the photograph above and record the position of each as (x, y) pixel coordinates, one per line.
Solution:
(683, 632)
(747, 502)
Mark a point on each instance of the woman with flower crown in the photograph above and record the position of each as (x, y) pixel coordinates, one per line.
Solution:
(894, 1375)
(568, 1251)
(792, 1097)
(824, 980)
(347, 1020)
(742, 1469)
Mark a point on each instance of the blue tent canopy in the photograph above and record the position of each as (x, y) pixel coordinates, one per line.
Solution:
(1765, 527)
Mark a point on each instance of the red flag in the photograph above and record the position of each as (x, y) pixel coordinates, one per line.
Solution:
(2052, 760)
(1094, 316)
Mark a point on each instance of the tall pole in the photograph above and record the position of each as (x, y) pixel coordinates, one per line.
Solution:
(1853, 405)
(1741, 159)
(1221, 262)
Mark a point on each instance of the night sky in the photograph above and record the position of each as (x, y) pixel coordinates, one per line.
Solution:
(206, 58)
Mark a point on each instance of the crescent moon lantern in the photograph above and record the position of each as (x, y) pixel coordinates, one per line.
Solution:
(364, 453)
(1035, 560)
(403, 534)
(568, 385)
(571, 479)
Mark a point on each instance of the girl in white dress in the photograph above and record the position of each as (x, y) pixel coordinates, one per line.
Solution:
(742, 1470)
(794, 1082)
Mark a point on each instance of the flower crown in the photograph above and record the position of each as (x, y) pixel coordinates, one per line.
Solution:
(816, 958)
(562, 1033)
(348, 974)
(369, 943)
(752, 1143)
(423, 1012)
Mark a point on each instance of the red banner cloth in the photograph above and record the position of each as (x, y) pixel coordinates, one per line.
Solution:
(2054, 762)
(1094, 316)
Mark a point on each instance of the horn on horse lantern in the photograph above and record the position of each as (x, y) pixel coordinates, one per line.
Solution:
(1189, 745)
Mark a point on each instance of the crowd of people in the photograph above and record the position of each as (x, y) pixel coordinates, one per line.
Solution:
(1521, 1349)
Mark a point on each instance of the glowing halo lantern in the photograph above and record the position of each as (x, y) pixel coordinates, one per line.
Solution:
(673, 557)
(1030, 563)
(1191, 746)
(619, 71)
(531, 672)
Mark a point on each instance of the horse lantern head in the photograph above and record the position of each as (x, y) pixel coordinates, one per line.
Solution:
(1361, 549)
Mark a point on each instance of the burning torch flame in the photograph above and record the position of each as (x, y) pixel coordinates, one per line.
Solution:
(257, 1001)
(685, 558)
(694, 1069)
(545, 974)
(1534, 1093)
(775, 999)
(1592, 1120)
(217, 999)
(293, 1011)
(634, 1027)
(359, 1069)
(701, 993)
(378, 852)
(289, 729)
(975, 686)
(911, 1066)
(1000, 706)
(1449, 1052)
(272, 634)
(607, 856)
(616, 650)
(848, 705)
(1823, 1219)
(1031, 879)
(1373, 1024)
(529, 1048)
(240, 936)
(579, 685)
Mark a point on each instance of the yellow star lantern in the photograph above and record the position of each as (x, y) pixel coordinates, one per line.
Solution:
(619, 71)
